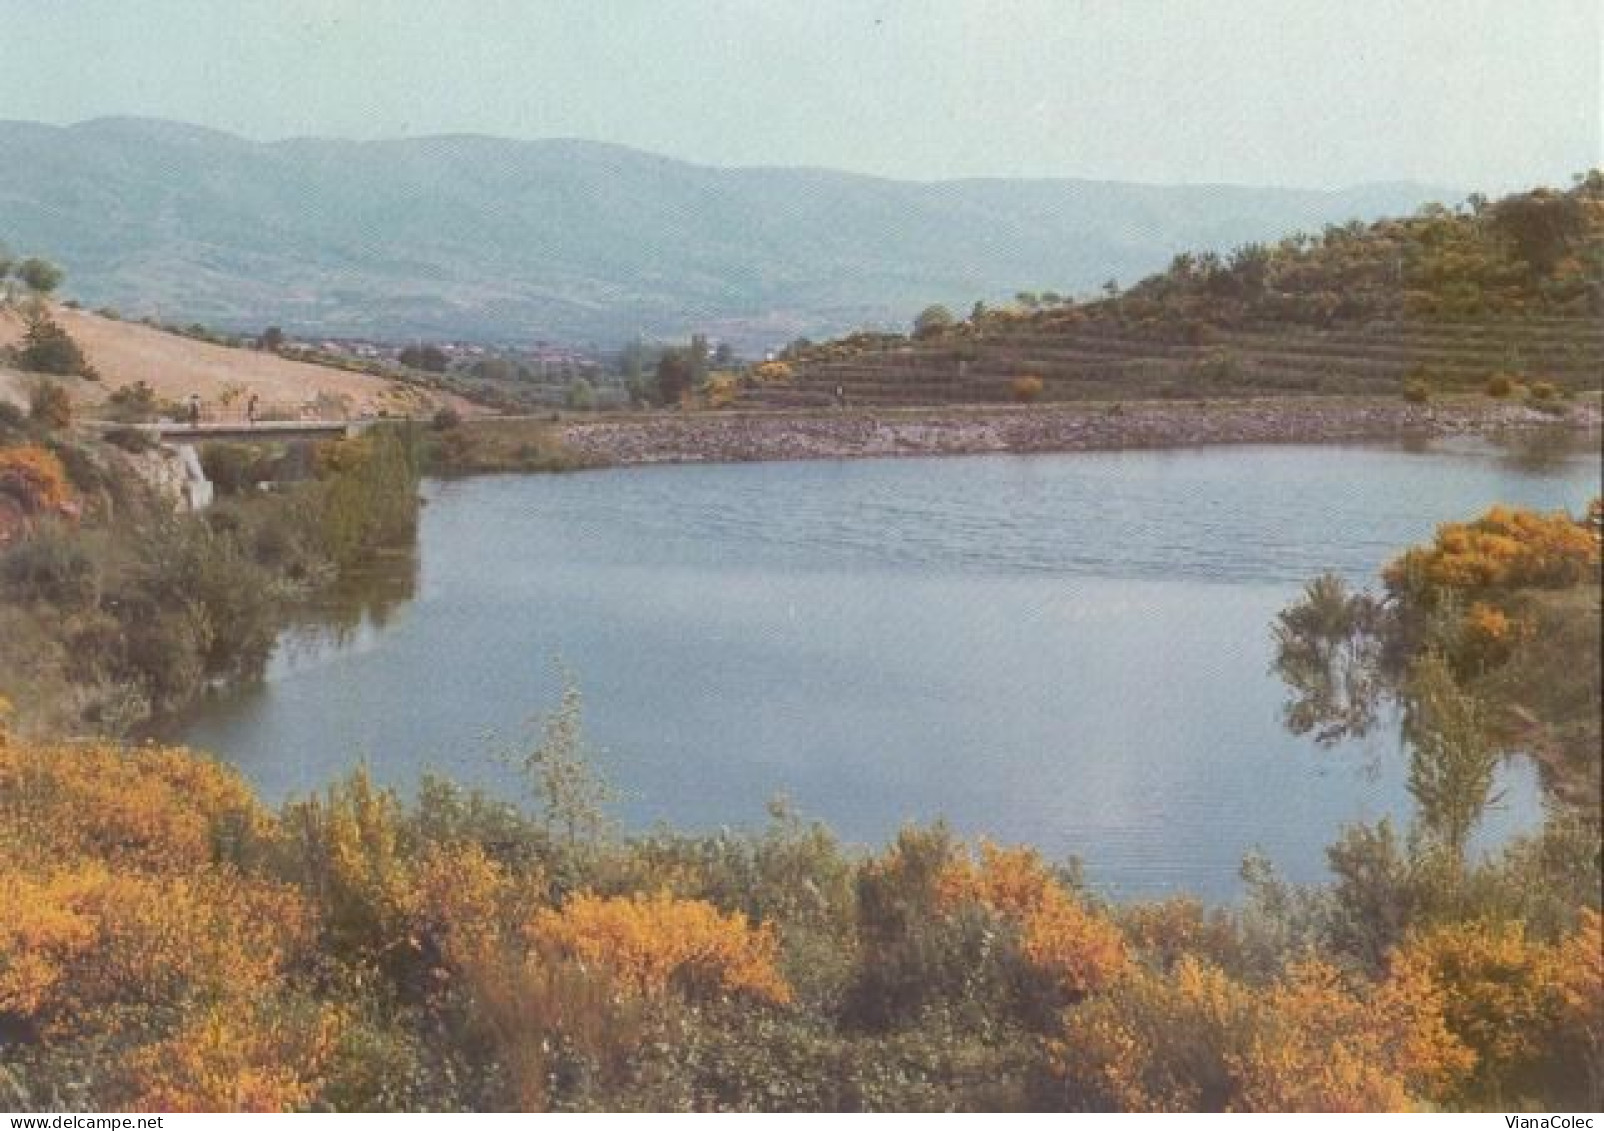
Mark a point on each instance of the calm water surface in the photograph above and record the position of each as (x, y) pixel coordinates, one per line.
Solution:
(1071, 650)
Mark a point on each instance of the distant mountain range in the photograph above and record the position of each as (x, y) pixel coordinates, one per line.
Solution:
(481, 238)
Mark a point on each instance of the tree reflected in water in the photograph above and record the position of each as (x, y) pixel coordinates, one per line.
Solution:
(366, 598)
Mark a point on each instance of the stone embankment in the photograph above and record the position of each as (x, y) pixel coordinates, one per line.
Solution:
(847, 434)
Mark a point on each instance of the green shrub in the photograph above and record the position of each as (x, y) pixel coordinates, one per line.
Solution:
(13, 421)
(732, 1060)
(86, 468)
(581, 396)
(367, 493)
(227, 604)
(53, 566)
(47, 348)
(933, 321)
(49, 405)
(1499, 385)
(1544, 391)
(1417, 392)
(132, 440)
(916, 956)
(136, 403)
(233, 468)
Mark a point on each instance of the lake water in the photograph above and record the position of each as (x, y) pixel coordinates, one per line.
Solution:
(1071, 651)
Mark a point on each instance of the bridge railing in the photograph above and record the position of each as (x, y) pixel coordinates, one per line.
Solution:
(241, 412)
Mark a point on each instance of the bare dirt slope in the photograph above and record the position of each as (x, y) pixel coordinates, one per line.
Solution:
(176, 367)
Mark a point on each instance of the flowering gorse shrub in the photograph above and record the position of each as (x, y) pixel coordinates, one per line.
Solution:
(1078, 949)
(1505, 548)
(654, 942)
(1314, 1040)
(34, 478)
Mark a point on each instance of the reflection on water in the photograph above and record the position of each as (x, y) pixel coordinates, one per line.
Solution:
(350, 615)
(1543, 453)
(1072, 651)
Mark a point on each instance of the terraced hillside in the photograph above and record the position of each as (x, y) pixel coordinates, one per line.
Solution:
(1097, 358)
(1439, 301)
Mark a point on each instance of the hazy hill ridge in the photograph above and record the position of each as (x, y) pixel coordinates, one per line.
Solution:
(480, 237)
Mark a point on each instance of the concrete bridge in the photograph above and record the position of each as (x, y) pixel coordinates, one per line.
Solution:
(198, 422)
(204, 431)
(214, 423)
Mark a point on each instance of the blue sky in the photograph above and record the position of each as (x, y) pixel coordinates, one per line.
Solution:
(1462, 93)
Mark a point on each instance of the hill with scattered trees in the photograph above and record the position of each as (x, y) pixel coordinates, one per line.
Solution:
(1501, 296)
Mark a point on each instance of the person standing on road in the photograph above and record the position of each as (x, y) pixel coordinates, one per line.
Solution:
(250, 410)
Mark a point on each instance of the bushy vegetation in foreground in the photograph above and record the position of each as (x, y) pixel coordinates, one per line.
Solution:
(166, 942)
(115, 611)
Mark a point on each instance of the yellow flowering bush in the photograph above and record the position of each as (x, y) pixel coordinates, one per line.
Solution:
(34, 477)
(1078, 949)
(652, 942)
(1198, 1040)
(1506, 547)
(254, 1058)
(1520, 1005)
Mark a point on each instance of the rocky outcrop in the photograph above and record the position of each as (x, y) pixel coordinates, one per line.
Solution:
(164, 471)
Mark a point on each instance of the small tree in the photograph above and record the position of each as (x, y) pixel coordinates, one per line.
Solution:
(136, 402)
(676, 373)
(1453, 761)
(39, 275)
(700, 355)
(430, 358)
(581, 395)
(234, 469)
(1543, 226)
(933, 320)
(272, 338)
(48, 348)
(49, 405)
(562, 774)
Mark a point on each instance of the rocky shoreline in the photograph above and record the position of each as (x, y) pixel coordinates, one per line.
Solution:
(849, 434)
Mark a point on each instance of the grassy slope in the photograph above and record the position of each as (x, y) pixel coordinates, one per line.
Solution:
(126, 352)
